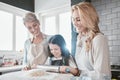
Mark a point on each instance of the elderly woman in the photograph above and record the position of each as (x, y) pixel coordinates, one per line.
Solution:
(35, 48)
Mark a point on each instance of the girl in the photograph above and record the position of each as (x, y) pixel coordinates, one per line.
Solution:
(60, 55)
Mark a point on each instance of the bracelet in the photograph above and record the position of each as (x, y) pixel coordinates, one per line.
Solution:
(67, 70)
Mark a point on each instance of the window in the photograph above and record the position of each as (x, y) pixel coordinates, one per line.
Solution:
(50, 26)
(65, 27)
(21, 34)
(6, 31)
(58, 21)
(12, 33)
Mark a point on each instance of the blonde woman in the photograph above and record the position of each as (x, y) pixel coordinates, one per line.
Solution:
(92, 54)
(36, 48)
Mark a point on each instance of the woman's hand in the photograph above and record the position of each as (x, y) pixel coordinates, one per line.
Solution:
(26, 68)
(29, 67)
(33, 66)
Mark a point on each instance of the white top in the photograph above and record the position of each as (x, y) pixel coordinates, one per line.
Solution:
(95, 63)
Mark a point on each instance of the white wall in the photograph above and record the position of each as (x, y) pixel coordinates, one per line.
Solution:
(12, 9)
(109, 13)
(44, 5)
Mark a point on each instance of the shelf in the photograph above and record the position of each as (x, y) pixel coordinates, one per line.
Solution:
(115, 69)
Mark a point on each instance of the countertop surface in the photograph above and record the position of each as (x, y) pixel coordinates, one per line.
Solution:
(35, 74)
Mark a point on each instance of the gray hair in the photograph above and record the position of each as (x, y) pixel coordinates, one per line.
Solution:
(30, 17)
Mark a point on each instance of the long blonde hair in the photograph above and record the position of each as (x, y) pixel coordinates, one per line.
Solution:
(90, 20)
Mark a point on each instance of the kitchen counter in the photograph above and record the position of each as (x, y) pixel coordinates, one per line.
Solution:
(35, 74)
(115, 74)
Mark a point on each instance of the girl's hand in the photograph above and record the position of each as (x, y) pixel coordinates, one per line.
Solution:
(63, 69)
(67, 69)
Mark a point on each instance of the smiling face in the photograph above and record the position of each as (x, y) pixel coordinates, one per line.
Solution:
(77, 22)
(55, 50)
(33, 28)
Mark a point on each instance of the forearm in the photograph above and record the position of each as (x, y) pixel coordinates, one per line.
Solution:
(68, 69)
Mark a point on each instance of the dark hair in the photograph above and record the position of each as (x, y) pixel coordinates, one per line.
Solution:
(59, 40)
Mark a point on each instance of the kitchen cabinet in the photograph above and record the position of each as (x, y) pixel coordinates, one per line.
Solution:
(116, 74)
(115, 70)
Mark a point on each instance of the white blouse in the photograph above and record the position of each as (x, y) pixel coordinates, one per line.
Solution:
(94, 64)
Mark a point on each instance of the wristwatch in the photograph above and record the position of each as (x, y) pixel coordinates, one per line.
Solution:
(67, 70)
